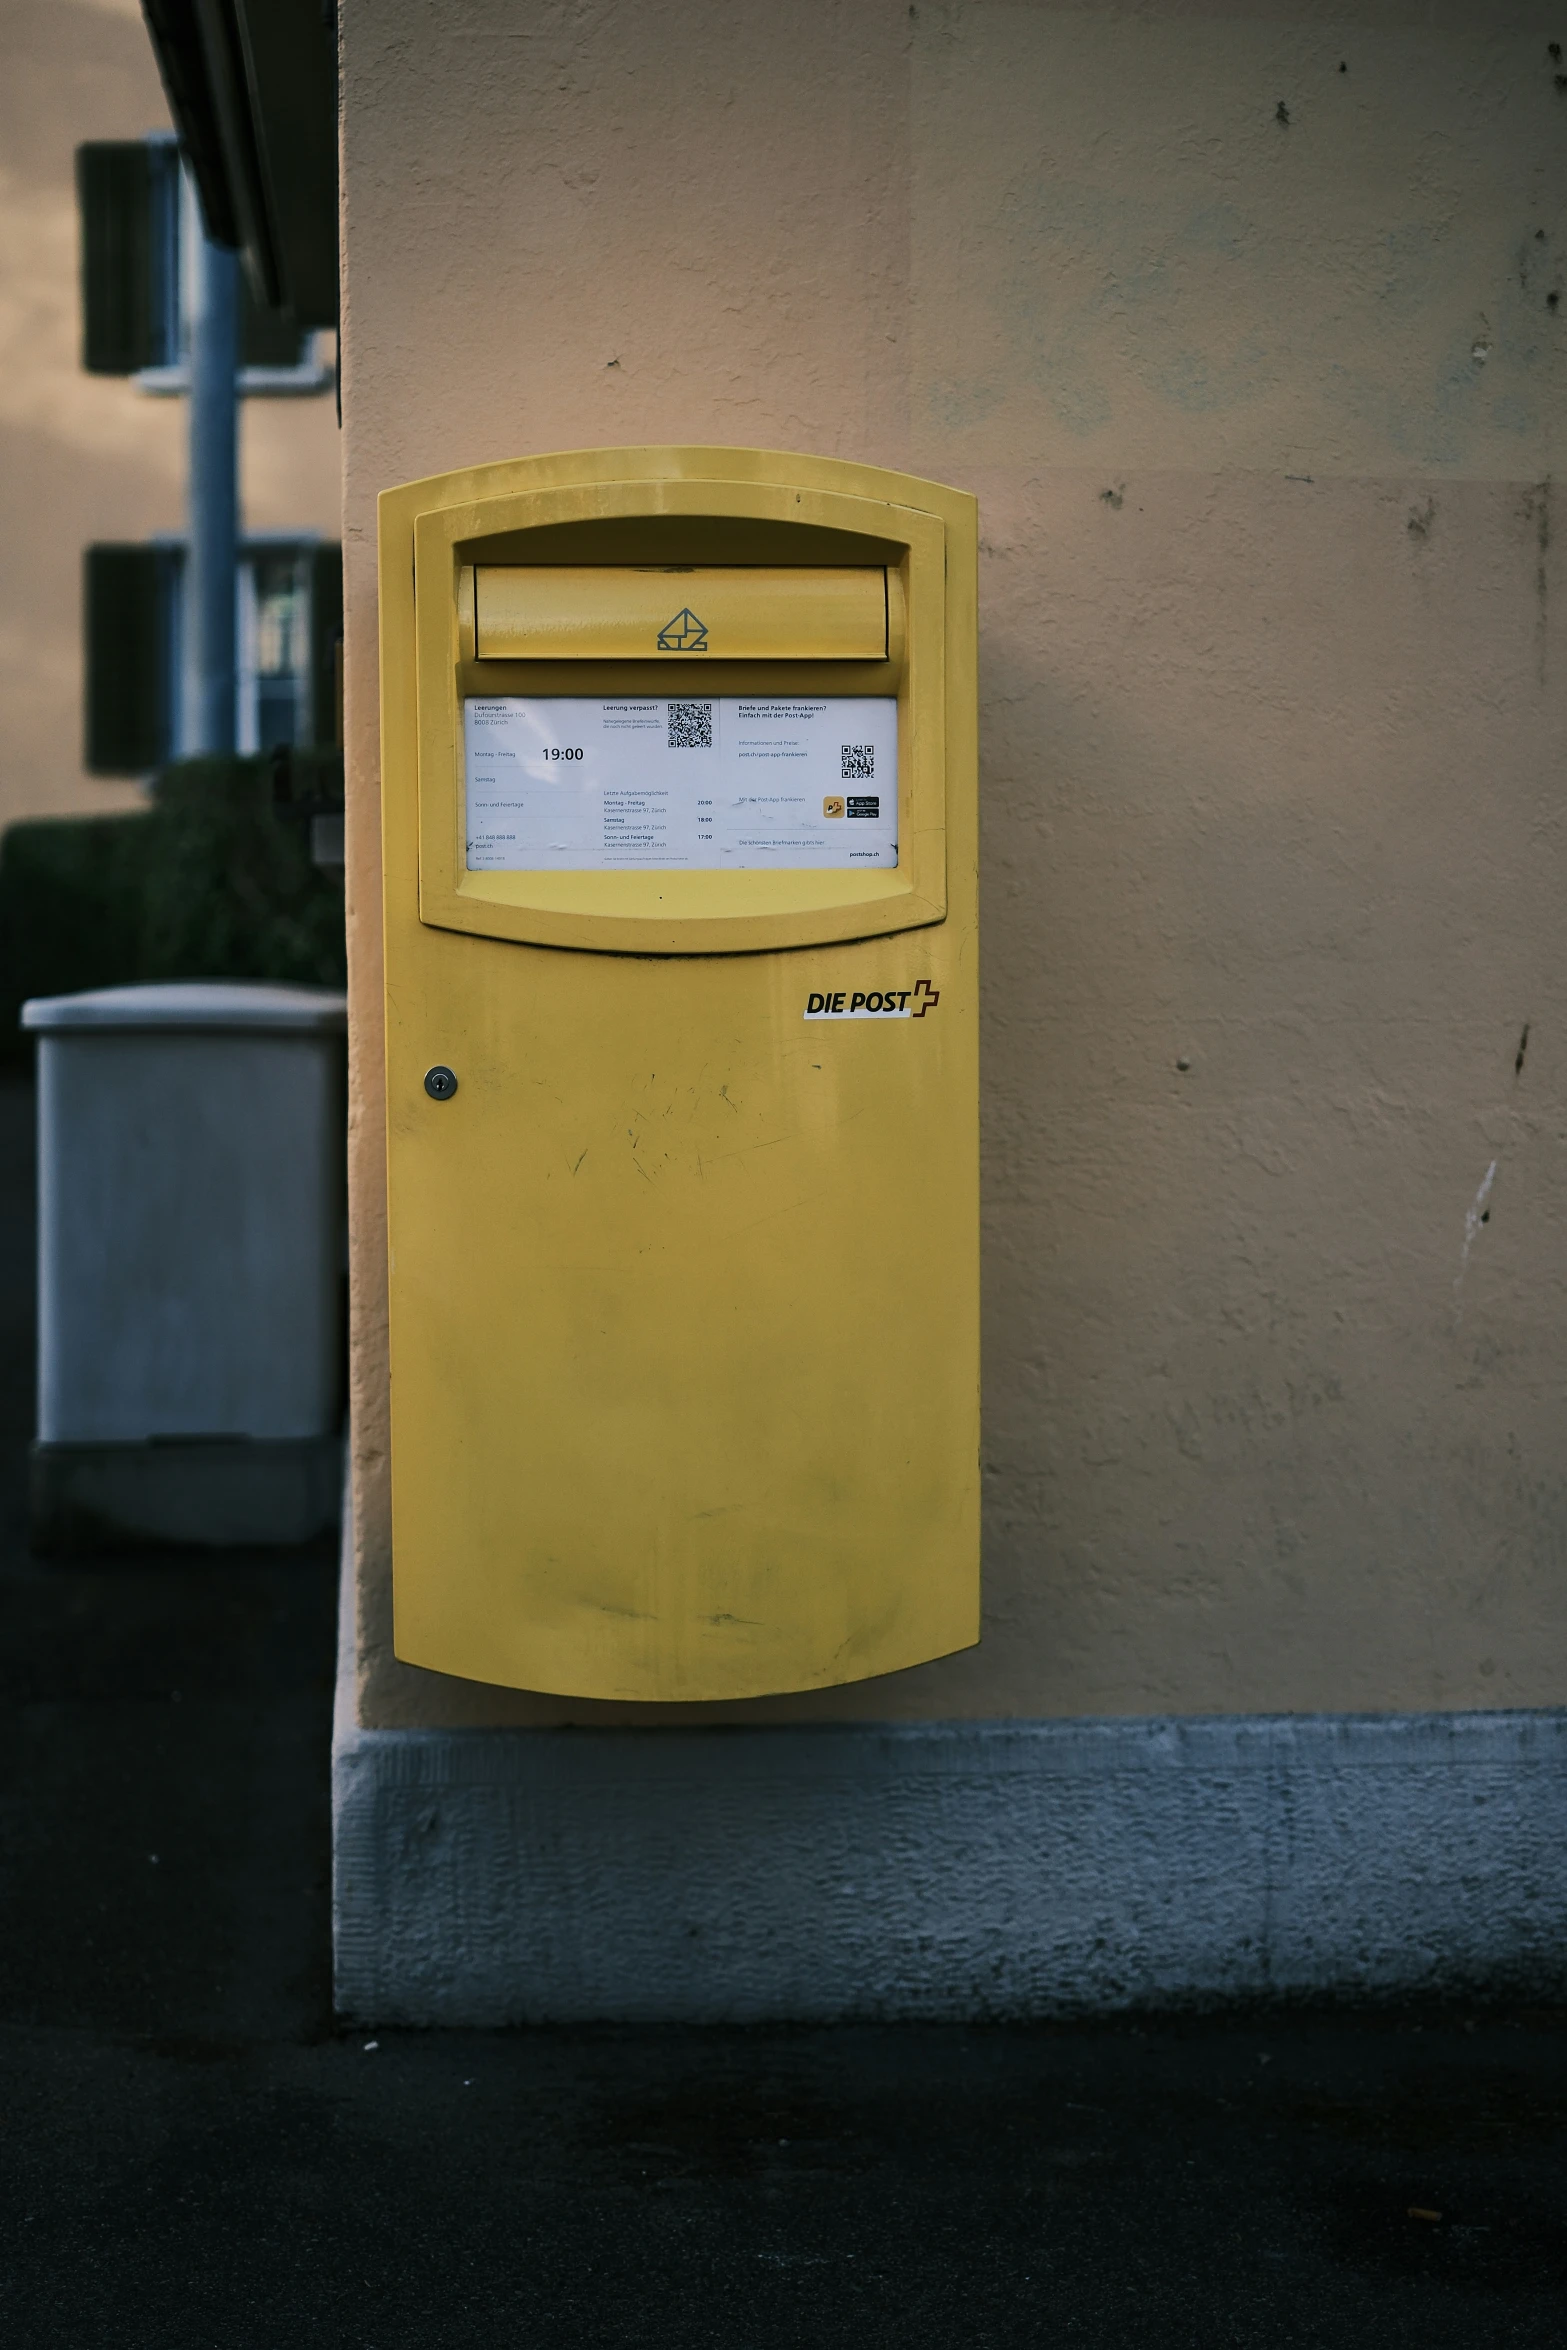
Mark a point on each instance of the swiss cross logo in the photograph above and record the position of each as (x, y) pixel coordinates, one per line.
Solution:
(931, 998)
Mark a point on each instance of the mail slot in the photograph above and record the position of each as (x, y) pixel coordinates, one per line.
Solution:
(585, 612)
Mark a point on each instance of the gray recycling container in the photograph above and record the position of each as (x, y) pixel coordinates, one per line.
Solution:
(191, 1263)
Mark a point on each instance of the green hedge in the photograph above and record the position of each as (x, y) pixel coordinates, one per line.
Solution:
(213, 882)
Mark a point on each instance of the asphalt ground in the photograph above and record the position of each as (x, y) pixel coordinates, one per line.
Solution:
(193, 2153)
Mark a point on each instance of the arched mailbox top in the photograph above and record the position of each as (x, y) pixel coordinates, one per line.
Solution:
(553, 622)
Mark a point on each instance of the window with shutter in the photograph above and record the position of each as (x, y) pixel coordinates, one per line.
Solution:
(121, 309)
(129, 596)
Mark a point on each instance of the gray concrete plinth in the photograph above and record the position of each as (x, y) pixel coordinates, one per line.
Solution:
(956, 1869)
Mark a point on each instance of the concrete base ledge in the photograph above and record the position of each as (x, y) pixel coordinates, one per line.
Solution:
(959, 1870)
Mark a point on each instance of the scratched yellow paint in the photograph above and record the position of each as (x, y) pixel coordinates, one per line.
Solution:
(684, 1287)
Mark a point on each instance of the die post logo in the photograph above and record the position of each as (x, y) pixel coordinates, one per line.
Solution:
(885, 1003)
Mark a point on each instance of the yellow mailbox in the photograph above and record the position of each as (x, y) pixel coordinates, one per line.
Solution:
(681, 989)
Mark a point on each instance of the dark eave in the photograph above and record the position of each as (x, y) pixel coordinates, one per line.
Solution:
(252, 86)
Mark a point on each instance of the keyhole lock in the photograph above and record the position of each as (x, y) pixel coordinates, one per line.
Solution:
(440, 1083)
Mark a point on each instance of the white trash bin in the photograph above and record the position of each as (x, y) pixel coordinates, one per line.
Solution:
(191, 1264)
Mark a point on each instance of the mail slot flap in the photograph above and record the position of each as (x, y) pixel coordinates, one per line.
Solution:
(596, 612)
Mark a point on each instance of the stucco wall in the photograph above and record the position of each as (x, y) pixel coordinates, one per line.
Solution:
(1243, 328)
(88, 457)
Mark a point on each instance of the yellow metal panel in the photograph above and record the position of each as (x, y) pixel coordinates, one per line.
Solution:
(586, 612)
(684, 1285)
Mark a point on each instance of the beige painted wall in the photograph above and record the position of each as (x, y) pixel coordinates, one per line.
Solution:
(1263, 417)
(88, 457)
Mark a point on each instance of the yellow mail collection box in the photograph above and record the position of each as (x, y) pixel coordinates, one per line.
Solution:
(679, 807)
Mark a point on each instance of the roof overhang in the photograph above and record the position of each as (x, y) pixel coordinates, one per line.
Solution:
(252, 85)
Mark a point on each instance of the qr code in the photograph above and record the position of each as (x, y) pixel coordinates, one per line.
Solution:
(859, 762)
(690, 726)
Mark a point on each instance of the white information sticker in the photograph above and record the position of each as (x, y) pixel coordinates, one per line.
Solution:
(697, 783)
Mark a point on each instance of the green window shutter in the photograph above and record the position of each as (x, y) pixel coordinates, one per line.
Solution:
(128, 595)
(326, 632)
(120, 261)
